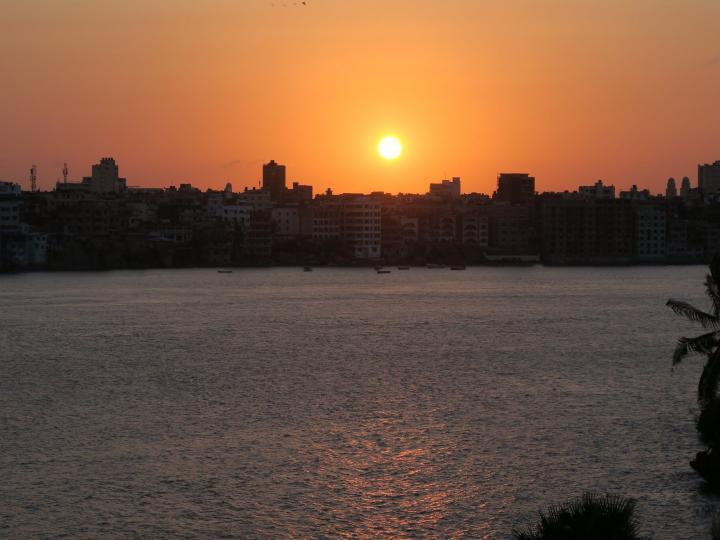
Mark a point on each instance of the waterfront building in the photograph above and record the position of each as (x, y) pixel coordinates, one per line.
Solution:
(286, 221)
(510, 229)
(475, 228)
(361, 226)
(10, 206)
(577, 231)
(650, 231)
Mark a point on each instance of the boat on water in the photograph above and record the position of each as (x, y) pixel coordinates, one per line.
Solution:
(458, 267)
(225, 271)
(383, 271)
(435, 265)
(403, 268)
(307, 268)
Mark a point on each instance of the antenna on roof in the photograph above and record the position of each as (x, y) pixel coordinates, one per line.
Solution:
(33, 178)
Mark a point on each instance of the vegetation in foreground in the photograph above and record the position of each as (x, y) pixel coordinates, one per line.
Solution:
(590, 517)
(707, 462)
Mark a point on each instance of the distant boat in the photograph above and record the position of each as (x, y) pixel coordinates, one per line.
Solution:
(435, 265)
(403, 268)
(458, 267)
(382, 271)
(307, 268)
(225, 271)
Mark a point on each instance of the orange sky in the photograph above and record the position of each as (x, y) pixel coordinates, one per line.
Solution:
(205, 91)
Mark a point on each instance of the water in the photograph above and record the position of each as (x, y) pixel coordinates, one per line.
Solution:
(341, 403)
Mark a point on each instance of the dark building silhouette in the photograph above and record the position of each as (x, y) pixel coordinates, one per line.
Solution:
(685, 187)
(671, 189)
(100, 223)
(515, 188)
(274, 180)
(709, 178)
(447, 189)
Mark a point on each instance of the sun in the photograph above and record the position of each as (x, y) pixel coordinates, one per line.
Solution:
(390, 147)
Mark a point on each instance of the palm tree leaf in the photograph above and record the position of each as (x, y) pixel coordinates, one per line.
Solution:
(712, 289)
(705, 344)
(693, 313)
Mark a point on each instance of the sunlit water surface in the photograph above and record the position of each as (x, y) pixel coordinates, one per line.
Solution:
(276, 403)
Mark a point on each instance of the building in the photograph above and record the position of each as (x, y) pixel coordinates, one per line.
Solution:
(10, 206)
(650, 231)
(671, 189)
(105, 178)
(274, 180)
(597, 191)
(10, 189)
(475, 229)
(515, 188)
(685, 188)
(594, 231)
(361, 226)
(446, 189)
(635, 194)
(709, 178)
(510, 229)
(286, 221)
(299, 193)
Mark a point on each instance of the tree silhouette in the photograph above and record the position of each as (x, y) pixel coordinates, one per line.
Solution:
(590, 517)
(706, 463)
(707, 343)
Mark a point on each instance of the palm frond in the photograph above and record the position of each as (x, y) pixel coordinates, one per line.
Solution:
(705, 344)
(590, 517)
(693, 313)
(712, 289)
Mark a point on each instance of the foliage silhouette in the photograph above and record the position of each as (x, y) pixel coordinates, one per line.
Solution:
(590, 517)
(706, 463)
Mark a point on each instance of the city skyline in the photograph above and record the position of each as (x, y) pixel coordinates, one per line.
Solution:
(205, 93)
(31, 182)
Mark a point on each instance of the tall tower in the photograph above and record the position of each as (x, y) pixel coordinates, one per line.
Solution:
(685, 187)
(671, 189)
(65, 173)
(33, 178)
(274, 180)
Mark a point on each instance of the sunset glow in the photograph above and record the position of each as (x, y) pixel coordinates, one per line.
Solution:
(570, 91)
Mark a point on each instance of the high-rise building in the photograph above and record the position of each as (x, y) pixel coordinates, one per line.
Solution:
(447, 189)
(597, 191)
(671, 189)
(274, 180)
(105, 178)
(685, 187)
(709, 178)
(515, 187)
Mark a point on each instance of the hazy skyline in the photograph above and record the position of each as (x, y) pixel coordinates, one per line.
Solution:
(206, 91)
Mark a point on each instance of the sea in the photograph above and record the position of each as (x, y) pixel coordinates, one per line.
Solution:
(343, 403)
